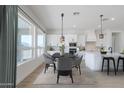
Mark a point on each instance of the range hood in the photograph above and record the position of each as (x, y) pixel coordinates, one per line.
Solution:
(91, 36)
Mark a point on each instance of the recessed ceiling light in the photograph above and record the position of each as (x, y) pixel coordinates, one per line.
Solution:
(76, 13)
(112, 18)
(74, 26)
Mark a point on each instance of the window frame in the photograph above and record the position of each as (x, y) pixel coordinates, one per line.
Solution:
(34, 47)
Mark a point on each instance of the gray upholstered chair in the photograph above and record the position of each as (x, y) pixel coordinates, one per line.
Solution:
(64, 67)
(77, 61)
(48, 61)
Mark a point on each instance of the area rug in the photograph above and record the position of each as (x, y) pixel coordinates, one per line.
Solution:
(50, 78)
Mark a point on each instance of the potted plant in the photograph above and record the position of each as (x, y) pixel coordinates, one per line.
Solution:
(62, 47)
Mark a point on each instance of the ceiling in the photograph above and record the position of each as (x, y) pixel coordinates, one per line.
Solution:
(50, 16)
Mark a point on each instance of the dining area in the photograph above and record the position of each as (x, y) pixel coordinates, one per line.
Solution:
(62, 64)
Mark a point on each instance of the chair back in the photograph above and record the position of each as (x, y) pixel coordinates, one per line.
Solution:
(47, 58)
(65, 63)
(77, 60)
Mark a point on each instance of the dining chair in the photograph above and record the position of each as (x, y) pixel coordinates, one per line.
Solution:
(64, 67)
(77, 62)
(48, 61)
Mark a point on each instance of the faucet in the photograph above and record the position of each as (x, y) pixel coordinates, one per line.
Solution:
(110, 48)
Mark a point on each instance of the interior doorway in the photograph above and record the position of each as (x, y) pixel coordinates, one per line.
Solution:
(115, 42)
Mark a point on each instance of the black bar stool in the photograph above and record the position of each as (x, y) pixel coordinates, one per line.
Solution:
(120, 58)
(108, 62)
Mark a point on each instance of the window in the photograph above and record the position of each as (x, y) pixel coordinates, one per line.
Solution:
(30, 40)
(40, 42)
(24, 39)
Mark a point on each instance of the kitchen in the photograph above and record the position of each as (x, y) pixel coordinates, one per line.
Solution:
(89, 44)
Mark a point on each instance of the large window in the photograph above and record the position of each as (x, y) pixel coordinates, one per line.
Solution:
(25, 39)
(40, 42)
(30, 43)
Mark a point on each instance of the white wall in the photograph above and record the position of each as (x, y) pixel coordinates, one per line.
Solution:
(23, 70)
(122, 41)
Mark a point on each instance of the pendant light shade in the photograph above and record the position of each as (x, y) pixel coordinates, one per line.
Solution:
(62, 38)
(101, 35)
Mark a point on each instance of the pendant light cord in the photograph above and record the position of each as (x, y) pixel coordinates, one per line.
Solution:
(62, 15)
(101, 22)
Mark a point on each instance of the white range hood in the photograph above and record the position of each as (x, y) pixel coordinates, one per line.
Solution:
(90, 36)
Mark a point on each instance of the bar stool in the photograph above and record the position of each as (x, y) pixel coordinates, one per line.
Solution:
(108, 62)
(120, 58)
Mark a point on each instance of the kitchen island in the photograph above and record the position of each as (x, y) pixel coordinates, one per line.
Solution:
(93, 60)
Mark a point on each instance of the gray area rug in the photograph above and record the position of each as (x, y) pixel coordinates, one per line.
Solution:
(49, 78)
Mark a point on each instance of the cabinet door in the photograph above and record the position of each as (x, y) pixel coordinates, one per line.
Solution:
(81, 40)
(70, 38)
(53, 40)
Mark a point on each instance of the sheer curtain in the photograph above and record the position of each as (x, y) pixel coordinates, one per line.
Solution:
(8, 35)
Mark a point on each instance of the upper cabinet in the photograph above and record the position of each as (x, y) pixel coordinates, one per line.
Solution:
(53, 40)
(81, 39)
(70, 38)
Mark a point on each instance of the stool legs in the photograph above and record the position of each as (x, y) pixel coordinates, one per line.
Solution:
(118, 64)
(102, 65)
(108, 67)
(114, 66)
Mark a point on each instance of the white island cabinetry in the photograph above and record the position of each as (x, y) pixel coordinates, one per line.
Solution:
(93, 60)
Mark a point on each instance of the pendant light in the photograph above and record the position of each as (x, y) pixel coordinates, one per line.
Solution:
(62, 38)
(101, 35)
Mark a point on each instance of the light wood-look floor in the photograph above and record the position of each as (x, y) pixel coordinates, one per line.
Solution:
(27, 82)
(102, 79)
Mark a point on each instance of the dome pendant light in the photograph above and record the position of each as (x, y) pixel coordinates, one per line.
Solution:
(62, 38)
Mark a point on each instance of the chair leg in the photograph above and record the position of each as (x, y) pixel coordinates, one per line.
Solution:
(57, 79)
(102, 65)
(114, 66)
(79, 69)
(117, 64)
(71, 77)
(54, 67)
(123, 65)
(108, 68)
(45, 68)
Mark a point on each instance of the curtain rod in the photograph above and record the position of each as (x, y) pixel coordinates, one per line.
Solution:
(30, 18)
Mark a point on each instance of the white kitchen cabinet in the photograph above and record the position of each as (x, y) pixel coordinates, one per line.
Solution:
(70, 38)
(53, 40)
(81, 39)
